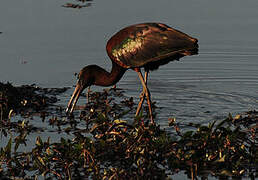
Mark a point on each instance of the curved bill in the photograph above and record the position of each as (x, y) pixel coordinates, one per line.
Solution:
(75, 96)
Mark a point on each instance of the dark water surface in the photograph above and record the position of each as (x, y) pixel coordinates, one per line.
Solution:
(46, 44)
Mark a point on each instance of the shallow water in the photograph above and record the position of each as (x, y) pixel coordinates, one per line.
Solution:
(46, 44)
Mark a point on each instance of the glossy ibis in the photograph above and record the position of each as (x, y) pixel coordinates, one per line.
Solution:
(147, 46)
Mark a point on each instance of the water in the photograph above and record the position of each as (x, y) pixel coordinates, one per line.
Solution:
(46, 44)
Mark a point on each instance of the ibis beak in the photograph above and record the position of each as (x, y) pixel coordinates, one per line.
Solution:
(76, 93)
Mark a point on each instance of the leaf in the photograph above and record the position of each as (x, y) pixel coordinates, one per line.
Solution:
(230, 117)
(221, 123)
(211, 125)
(242, 146)
(238, 116)
(39, 141)
(23, 124)
(204, 129)
(242, 171)
(118, 121)
(222, 159)
(48, 151)
(171, 121)
(8, 147)
(48, 140)
(63, 141)
(17, 144)
(10, 114)
(226, 173)
(41, 161)
(188, 134)
(123, 113)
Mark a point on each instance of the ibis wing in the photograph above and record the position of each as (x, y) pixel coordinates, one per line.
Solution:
(144, 43)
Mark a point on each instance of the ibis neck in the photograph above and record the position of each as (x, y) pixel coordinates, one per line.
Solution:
(104, 78)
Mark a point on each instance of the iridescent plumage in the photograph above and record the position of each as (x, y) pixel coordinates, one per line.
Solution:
(138, 45)
(147, 45)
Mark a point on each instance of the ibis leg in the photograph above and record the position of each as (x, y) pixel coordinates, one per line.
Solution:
(142, 96)
(147, 93)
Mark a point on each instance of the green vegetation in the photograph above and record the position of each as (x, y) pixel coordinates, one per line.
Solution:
(26, 99)
(105, 146)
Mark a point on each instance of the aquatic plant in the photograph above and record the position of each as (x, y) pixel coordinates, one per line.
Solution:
(108, 147)
(25, 99)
